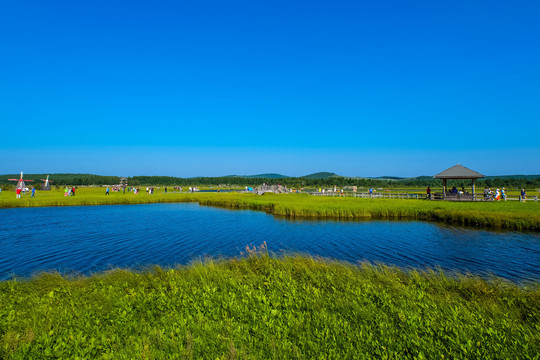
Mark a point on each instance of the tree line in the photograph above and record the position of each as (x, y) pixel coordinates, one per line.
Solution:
(291, 182)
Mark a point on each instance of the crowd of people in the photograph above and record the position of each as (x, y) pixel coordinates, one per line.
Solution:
(498, 194)
(334, 190)
(489, 194)
(21, 191)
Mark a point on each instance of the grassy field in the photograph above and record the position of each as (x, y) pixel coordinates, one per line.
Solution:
(504, 215)
(261, 307)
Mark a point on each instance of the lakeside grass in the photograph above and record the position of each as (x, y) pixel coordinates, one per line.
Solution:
(499, 215)
(262, 307)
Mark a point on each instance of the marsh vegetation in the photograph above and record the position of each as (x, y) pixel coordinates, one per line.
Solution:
(262, 307)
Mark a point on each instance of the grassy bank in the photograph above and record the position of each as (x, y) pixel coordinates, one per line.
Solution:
(259, 307)
(517, 216)
(503, 215)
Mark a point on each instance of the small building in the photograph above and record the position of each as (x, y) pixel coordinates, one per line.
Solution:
(458, 172)
(123, 182)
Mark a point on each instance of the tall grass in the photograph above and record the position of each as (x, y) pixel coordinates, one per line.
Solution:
(261, 307)
(504, 215)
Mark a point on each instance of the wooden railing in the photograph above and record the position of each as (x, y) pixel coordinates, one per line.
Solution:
(418, 196)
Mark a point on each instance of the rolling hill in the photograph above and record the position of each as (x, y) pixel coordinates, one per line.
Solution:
(320, 175)
(266, 176)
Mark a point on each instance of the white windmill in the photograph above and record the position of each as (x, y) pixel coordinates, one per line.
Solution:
(46, 184)
(20, 182)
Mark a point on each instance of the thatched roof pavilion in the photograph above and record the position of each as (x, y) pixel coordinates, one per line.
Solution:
(458, 172)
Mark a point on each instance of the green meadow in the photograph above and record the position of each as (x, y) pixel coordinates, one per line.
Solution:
(503, 215)
(259, 306)
(262, 307)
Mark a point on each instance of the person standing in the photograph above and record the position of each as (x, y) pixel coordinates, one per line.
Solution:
(18, 192)
(107, 191)
(73, 191)
(503, 194)
(523, 195)
(428, 192)
(33, 192)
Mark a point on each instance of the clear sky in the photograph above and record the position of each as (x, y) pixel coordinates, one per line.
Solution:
(212, 88)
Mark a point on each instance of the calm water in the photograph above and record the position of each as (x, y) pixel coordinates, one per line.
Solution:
(95, 238)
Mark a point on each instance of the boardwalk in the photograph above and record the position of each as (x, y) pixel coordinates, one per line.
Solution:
(417, 196)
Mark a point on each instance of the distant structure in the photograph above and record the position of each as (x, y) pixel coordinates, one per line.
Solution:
(276, 189)
(21, 182)
(46, 183)
(458, 172)
(123, 182)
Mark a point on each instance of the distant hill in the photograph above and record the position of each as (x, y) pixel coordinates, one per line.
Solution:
(320, 175)
(266, 176)
(526, 177)
(389, 178)
(258, 176)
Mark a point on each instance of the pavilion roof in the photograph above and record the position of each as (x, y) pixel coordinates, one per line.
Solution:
(458, 172)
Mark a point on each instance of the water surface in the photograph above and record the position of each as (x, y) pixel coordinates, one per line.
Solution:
(89, 239)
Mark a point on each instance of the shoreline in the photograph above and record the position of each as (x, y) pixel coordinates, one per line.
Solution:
(260, 305)
(504, 216)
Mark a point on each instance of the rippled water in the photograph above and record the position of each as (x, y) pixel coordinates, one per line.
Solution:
(95, 238)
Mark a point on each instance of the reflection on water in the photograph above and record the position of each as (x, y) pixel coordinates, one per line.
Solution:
(95, 238)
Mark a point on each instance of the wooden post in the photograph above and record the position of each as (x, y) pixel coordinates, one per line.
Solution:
(473, 187)
(444, 188)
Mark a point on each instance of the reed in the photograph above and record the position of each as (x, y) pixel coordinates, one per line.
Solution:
(263, 307)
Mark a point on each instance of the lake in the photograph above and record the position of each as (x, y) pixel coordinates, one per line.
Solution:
(88, 239)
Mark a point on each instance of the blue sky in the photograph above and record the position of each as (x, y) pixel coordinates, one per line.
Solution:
(216, 88)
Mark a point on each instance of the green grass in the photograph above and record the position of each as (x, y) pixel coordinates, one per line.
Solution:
(261, 307)
(502, 215)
